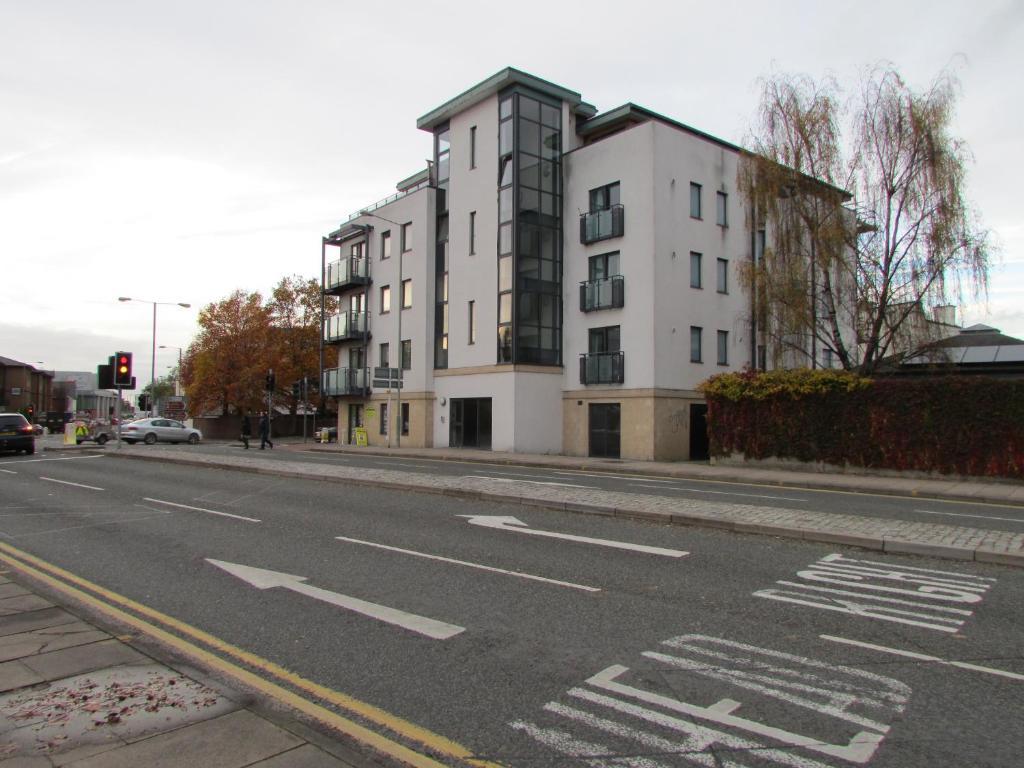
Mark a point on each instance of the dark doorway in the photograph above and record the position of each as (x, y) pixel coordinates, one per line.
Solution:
(605, 430)
(699, 432)
(470, 425)
(355, 420)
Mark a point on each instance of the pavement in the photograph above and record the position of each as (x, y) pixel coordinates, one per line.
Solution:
(74, 694)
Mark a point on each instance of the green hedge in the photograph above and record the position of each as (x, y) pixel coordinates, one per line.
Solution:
(946, 424)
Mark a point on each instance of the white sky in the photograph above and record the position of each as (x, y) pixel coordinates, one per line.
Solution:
(178, 151)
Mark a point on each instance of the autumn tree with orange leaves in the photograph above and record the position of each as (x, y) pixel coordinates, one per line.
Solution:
(242, 336)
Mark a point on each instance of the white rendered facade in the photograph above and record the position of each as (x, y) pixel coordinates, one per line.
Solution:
(503, 354)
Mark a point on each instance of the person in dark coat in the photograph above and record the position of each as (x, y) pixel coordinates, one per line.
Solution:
(265, 433)
(246, 430)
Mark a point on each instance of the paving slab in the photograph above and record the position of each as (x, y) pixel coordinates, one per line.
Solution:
(14, 675)
(306, 756)
(12, 590)
(231, 741)
(23, 603)
(49, 639)
(83, 658)
(86, 715)
(31, 620)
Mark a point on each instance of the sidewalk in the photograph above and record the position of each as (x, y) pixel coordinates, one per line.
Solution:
(993, 491)
(73, 695)
(929, 539)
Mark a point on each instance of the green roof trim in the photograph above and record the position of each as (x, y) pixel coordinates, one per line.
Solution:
(489, 87)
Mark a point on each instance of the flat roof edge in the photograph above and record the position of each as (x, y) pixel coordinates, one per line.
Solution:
(489, 87)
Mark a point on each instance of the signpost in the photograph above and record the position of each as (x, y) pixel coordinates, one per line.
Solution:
(390, 378)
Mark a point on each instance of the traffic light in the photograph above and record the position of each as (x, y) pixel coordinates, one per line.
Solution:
(271, 381)
(297, 389)
(123, 370)
(31, 411)
(105, 375)
(143, 402)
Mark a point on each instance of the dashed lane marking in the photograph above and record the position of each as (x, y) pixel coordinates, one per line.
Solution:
(923, 657)
(201, 509)
(68, 482)
(479, 566)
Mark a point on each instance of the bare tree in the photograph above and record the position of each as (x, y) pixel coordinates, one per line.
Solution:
(856, 271)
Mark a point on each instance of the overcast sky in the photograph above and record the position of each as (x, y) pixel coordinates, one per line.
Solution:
(175, 152)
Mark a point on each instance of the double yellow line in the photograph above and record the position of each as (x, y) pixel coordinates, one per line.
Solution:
(430, 742)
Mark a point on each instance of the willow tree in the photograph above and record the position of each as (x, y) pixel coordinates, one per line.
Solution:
(867, 225)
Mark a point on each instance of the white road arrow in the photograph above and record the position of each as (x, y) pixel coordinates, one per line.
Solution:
(264, 579)
(505, 523)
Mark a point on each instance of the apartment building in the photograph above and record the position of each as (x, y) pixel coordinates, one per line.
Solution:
(557, 281)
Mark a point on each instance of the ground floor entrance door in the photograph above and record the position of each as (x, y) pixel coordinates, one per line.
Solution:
(699, 432)
(605, 430)
(355, 420)
(470, 423)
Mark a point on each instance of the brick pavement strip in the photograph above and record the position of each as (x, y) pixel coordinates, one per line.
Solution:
(931, 539)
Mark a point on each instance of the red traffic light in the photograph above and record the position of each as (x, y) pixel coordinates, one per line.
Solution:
(123, 370)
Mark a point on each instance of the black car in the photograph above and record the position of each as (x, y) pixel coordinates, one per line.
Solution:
(16, 434)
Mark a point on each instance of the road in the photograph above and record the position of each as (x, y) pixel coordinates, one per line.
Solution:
(535, 637)
(1001, 517)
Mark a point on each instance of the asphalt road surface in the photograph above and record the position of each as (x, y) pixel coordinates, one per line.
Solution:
(1000, 517)
(550, 638)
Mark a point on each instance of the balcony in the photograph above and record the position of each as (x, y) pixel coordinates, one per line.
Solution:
(345, 327)
(606, 293)
(340, 382)
(602, 368)
(602, 225)
(350, 272)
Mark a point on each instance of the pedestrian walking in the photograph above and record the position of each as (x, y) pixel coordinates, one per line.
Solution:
(265, 433)
(246, 429)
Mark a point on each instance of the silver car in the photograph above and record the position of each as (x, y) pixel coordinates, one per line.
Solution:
(152, 430)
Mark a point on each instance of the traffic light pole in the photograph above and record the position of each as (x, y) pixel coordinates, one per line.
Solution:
(117, 415)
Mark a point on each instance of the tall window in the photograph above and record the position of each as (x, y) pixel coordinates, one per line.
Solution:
(694, 200)
(384, 356)
(405, 418)
(723, 275)
(695, 270)
(385, 299)
(604, 197)
(604, 265)
(695, 334)
(605, 339)
(406, 355)
(383, 418)
(442, 157)
(723, 347)
(828, 358)
(406, 293)
(472, 322)
(472, 147)
(406, 237)
(721, 209)
(472, 232)
(385, 245)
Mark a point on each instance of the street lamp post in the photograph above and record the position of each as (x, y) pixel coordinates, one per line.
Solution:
(177, 378)
(152, 369)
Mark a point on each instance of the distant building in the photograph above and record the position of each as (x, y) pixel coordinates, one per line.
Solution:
(24, 387)
(557, 281)
(979, 350)
(88, 400)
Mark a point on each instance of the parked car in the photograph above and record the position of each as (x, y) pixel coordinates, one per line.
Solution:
(153, 430)
(16, 434)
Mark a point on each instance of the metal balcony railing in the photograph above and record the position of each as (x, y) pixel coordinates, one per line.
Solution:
(603, 224)
(349, 272)
(338, 382)
(606, 293)
(602, 368)
(345, 326)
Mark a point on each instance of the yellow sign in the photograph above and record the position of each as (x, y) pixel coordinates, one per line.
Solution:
(361, 438)
(371, 412)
